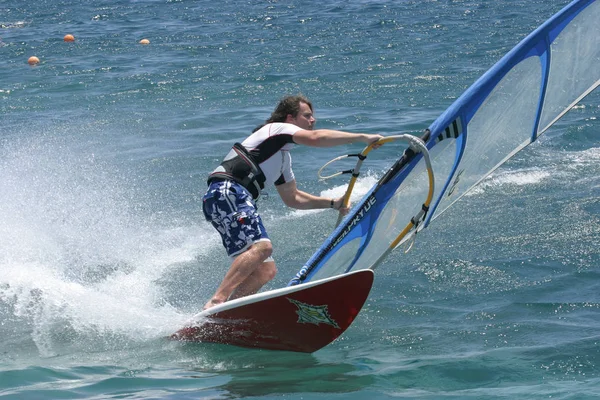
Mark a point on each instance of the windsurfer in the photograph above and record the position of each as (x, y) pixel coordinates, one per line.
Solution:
(263, 159)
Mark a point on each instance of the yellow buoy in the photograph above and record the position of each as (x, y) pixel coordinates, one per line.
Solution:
(33, 60)
(69, 38)
(144, 41)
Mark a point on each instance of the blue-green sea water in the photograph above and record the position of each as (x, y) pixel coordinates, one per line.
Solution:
(104, 151)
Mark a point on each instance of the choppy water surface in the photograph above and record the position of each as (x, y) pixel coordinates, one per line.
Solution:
(105, 147)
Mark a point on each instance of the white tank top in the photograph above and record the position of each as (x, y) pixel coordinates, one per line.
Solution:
(270, 147)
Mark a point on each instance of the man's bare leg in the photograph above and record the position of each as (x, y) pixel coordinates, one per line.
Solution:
(241, 269)
(256, 280)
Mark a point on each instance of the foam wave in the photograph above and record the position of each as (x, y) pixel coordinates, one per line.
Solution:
(79, 253)
(557, 167)
(584, 157)
(361, 187)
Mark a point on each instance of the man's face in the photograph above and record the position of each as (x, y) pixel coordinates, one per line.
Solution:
(304, 119)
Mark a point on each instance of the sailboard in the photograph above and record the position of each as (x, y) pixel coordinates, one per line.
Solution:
(303, 318)
(506, 109)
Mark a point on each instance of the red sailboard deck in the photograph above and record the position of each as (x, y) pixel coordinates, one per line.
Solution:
(301, 318)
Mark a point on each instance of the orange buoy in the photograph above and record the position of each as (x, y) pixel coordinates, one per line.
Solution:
(33, 60)
(69, 38)
(144, 41)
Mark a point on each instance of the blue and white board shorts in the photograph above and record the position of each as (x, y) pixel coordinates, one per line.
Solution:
(230, 209)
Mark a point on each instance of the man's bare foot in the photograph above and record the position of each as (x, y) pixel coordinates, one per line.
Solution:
(212, 302)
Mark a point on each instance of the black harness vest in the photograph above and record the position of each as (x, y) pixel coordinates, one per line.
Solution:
(240, 166)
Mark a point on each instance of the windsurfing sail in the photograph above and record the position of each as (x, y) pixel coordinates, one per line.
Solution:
(509, 107)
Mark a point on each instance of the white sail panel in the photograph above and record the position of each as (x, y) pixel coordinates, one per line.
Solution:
(444, 157)
(574, 64)
(404, 204)
(501, 126)
(340, 261)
